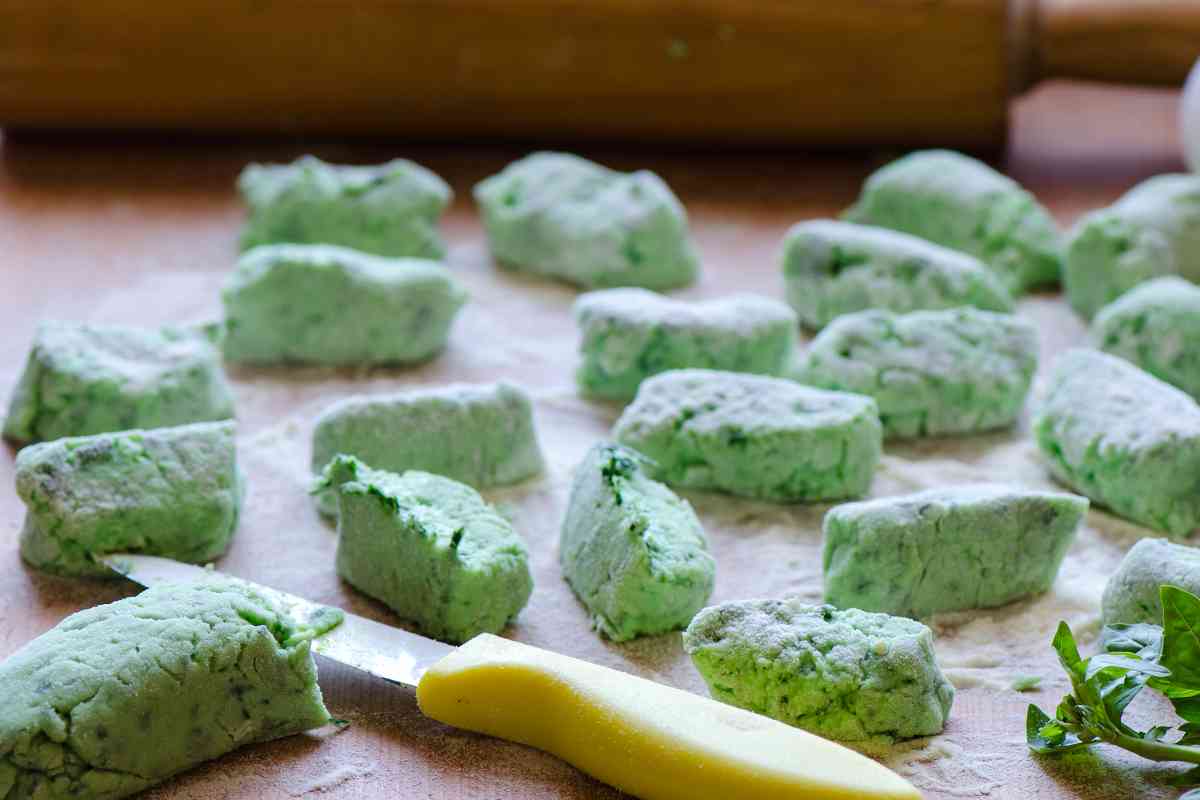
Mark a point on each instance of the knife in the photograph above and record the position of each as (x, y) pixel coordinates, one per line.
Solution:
(649, 740)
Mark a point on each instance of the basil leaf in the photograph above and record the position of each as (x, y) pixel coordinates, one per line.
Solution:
(1115, 689)
(1068, 651)
(1046, 735)
(1156, 733)
(1132, 663)
(1181, 636)
(1188, 708)
(1142, 639)
(1067, 712)
(1190, 735)
(1173, 690)
(1189, 778)
(1135, 656)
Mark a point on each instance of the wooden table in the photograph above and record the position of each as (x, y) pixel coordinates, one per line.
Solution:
(143, 231)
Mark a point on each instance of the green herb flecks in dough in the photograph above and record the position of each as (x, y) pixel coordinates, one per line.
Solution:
(634, 553)
(430, 548)
(564, 217)
(959, 202)
(847, 675)
(321, 304)
(948, 549)
(1153, 230)
(630, 334)
(84, 379)
(388, 209)
(753, 436)
(1156, 326)
(1124, 438)
(931, 372)
(173, 492)
(833, 268)
(480, 434)
(123, 696)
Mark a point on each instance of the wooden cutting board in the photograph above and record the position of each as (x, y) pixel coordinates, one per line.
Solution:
(143, 232)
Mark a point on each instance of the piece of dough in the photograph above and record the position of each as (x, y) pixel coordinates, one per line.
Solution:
(833, 268)
(959, 202)
(848, 675)
(1153, 230)
(950, 549)
(627, 335)
(1156, 326)
(562, 216)
(388, 209)
(931, 372)
(173, 492)
(1132, 593)
(123, 696)
(632, 550)
(84, 379)
(1124, 438)
(322, 304)
(754, 436)
(480, 434)
(430, 548)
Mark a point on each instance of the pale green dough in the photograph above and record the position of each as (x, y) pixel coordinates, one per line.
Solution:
(634, 552)
(957, 201)
(84, 379)
(322, 304)
(627, 335)
(1153, 230)
(430, 548)
(931, 372)
(833, 268)
(121, 697)
(1131, 594)
(754, 436)
(1155, 325)
(847, 675)
(1124, 438)
(949, 549)
(173, 492)
(480, 434)
(564, 217)
(388, 209)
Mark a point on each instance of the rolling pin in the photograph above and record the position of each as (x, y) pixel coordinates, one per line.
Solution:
(791, 72)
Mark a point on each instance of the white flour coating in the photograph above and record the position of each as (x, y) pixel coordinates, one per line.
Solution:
(735, 315)
(335, 776)
(966, 678)
(937, 764)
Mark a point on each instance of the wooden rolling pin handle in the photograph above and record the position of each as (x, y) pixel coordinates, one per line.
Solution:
(1118, 41)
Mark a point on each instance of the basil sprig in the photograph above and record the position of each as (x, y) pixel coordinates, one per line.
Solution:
(1166, 658)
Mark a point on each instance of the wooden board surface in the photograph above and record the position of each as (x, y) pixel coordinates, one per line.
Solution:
(143, 232)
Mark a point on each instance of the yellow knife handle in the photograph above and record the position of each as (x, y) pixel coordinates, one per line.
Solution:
(646, 739)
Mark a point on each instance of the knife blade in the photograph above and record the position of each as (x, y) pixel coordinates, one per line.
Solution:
(393, 654)
(652, 741)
